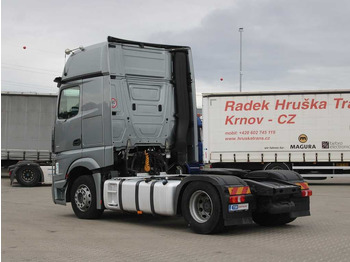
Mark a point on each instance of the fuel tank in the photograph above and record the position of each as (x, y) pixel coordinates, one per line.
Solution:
(152, 196)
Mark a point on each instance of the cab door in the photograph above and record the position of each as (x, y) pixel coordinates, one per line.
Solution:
(68, 120)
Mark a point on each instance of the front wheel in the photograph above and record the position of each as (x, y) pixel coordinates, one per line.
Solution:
(201, 208)
(83, 198)
(265, 219)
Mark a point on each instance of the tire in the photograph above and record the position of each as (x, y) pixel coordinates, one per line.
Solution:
(28, 176)
(265, 219)
(276, 166)
(83, 198)
(201, 208)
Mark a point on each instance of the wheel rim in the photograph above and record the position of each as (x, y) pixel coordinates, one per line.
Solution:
(201, 206)
(27, 175)
(82, 198)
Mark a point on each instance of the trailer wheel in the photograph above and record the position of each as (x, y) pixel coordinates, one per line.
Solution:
(276, 166)
(201, 208)
(83, 198)
(265, 219)
(28, 176)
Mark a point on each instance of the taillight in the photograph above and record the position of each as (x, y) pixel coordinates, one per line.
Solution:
(303, 185)
(306, 193)
(237, 199)
(238, 194)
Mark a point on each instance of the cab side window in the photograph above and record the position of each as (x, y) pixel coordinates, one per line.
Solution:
(69, 103)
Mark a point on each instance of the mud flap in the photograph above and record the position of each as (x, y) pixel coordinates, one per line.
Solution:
(98, 186)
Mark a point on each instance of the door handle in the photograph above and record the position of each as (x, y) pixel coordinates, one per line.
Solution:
(77, 142)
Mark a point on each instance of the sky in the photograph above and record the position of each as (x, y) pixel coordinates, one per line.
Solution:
(286, 45)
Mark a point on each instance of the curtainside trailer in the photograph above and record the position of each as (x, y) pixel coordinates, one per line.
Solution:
(305, 131)
(26, 129)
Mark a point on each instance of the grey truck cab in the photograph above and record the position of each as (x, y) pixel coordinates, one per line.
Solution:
(119, 102)
(126, 120)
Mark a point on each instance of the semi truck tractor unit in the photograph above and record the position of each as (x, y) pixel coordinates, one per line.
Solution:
(125, 127)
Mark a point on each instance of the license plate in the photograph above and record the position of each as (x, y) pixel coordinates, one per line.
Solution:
(238, 207)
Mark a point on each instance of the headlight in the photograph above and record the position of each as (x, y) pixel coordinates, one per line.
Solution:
(57, 168)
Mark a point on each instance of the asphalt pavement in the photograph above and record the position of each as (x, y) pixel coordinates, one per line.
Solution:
(33, 228)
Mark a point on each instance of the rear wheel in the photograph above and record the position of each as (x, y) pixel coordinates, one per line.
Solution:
(83, 198)
(28, 176)
(201, 208)
(265, 219)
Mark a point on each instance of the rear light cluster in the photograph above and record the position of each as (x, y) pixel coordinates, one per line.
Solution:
(241, 190)
(305, 190)
(238, 194)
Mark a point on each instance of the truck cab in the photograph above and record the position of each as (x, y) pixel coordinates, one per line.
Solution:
(124, 106)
